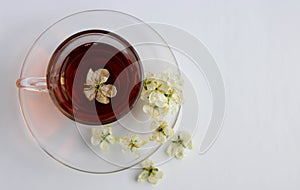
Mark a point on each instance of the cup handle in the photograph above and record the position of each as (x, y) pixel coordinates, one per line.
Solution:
(37, 84)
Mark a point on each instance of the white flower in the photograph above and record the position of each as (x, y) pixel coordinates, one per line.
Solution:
(180, 142)
(174, 80)
(94, 87)
(171, 78)
(102, 137)
(151, 110)
(163, 132)
(132, 143)
(149, 173)
(158, 99)
(163, 94)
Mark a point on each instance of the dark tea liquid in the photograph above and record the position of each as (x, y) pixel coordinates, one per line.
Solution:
(95, 49)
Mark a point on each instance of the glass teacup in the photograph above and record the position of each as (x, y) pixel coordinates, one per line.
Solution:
(94, 77)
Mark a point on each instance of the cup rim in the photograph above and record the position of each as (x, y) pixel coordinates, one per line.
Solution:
(73, 38)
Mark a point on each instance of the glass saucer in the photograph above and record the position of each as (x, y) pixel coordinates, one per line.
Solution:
(69, 142)
(66, 140)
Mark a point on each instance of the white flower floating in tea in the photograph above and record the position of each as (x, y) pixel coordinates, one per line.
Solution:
(103, 137)
(132, 143)
(178, 144)
(163, 93)
(95, 88)
(163, 132)
(149, 173)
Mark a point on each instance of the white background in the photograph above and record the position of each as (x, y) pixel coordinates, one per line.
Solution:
(257, 47)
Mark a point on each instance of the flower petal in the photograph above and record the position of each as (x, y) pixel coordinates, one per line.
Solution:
(177, 96)
(95, 140)
(109, 90)
(169, 131)
(173, 106)
(152, 84)
(95, 132)
(145, 94)
(107, 130)
(154, 177)
(90, 80)
(159, 174)
(164, 87)
(186, 137)
(148, 109)
(147, 163)
(159, 99)
(89, 93)
(171, 150)
(179, 154)
(164, 111)
(174, 80)
(190, 145)
(104, 146)
(101, 98)
(101, 75)
(162, 138)
(143, 176)
(153, 136)
(111, 139)
(140, 143)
